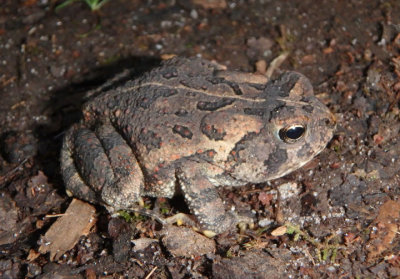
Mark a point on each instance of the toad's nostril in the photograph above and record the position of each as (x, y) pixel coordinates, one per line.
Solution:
(331, 121)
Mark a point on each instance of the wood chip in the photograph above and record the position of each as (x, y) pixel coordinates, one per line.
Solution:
(66, 231)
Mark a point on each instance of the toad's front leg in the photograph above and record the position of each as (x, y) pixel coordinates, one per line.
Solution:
(203, 199)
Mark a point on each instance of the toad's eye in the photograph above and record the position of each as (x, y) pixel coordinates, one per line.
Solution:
(293, 133)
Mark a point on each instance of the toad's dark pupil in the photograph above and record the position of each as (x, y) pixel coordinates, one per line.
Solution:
(295, 132)
(292, 134)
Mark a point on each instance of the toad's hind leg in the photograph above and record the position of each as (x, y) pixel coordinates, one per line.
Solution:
(106, 163)
(129, 182)
(74, 183)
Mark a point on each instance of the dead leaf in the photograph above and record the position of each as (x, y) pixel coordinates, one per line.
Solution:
(386, 226)
(276, 63)
(167, 56)
(279, 231)
(33, 255)
(265, 198)
(66, 231)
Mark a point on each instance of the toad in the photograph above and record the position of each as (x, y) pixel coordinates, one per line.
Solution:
(191, 126)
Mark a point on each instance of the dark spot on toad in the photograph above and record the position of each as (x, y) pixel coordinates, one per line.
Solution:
(191, 94)
(166, 92)
(276, 159)
(283, 85)
(211, 132)
(213, 106)
(257, 86)
(305, 99)
(182, 131)
(256, 111)
(181, 112)
(147, 100)
(219, 80)
(149, 139)
(192, 83)
(235, 87)
(207, 155)
(240, 145)
(276, 112)
(215, 80)
(304, 151)
(308, 108)
(169, 73)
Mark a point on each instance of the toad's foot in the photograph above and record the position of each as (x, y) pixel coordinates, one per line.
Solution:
(244, 222)
(180, 219)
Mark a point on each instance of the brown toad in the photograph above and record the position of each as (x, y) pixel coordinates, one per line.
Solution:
(193, 126)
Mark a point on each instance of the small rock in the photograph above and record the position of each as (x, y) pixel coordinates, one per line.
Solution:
(374, 75)
(52, 270)
(142, 243)
(194, 14)
(122, 247)
(117, 226)
(288, 190)
(350, 192)
(33, 270)
(8, 269)
(265, 222)
(8, 219)
(15, 147)
(258, 48)
(184, 242)
(261, 66)
(253, 264)
(58, 71)
(34, 17)
(148, 251)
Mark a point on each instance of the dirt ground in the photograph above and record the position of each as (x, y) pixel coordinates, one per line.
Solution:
(337, 217)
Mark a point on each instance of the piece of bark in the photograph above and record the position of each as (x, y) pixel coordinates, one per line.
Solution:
(66, 231)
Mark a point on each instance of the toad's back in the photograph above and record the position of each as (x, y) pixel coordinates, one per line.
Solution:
(187, 107)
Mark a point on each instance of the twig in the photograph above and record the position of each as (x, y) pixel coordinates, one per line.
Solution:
(151, 273)
(54, 215)
(4, 178)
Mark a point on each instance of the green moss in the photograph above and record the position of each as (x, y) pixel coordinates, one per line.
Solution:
(324, 251)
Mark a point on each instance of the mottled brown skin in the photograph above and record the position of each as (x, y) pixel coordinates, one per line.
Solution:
(193, 126)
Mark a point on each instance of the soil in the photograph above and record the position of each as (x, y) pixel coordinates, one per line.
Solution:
(337, 217)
